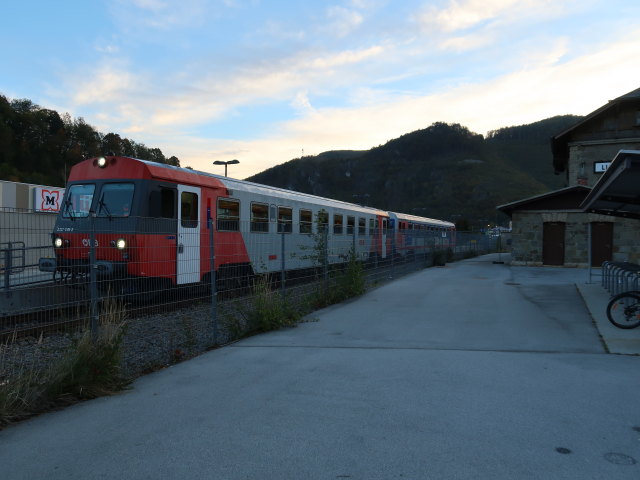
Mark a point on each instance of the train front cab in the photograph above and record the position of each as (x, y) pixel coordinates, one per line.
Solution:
(145, 230)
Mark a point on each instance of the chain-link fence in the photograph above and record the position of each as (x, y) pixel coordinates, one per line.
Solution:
(187, 287)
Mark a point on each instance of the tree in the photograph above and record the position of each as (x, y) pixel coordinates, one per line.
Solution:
(112, 143)
(173, 160)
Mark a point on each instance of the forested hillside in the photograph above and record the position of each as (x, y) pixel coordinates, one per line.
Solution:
(444, 171)
(37, 145)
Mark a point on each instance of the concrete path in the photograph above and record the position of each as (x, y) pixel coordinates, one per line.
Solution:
(617, 340)
(475, 370)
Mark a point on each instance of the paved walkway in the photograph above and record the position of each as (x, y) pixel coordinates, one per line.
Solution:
(474, 370)
(616, 339)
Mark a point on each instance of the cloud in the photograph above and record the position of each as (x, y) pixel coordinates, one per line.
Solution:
(134, 100)
(464, 43)
(342, 21)
(160, 14)
(465, 14)
(301, 103)
(107, 83)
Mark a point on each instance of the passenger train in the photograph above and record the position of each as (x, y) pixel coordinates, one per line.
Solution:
(152, 222)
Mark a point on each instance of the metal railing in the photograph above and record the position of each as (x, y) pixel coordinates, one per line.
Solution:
(618, 277)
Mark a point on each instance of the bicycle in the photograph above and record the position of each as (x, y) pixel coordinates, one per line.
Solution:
(623, 310)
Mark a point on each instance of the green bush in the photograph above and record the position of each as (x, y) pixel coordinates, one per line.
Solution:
(346, 282)
(91, 367)
(269, 310)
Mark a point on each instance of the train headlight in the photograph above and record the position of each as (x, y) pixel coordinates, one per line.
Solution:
(121, 244)
(102, 162)
(58, 242)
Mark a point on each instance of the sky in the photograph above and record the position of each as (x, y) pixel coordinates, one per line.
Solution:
(266, 81)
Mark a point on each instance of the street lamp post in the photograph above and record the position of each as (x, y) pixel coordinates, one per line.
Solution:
(230, 162)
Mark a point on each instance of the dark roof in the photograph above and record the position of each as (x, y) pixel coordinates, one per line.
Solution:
(568, 198)
(617, 192)
(559, 142)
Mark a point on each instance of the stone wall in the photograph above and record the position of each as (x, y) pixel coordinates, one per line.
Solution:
(626, 240)
(526, 247)
(583, 155)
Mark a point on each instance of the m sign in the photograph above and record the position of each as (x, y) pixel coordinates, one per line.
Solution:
(47, 199)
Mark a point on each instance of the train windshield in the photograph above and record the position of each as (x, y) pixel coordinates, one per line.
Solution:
(78, 201)
(115, 200)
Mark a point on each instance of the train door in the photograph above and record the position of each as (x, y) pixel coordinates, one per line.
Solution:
(188, 257)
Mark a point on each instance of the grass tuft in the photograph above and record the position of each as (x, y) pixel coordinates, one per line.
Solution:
(91, 367)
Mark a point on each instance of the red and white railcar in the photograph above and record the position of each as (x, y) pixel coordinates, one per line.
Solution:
(151, 221)
(414, 234)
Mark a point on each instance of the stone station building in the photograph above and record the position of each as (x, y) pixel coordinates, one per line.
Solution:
(553, 228)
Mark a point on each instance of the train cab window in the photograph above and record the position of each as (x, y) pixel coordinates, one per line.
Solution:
(306, 221)
(337, 224)
(228, 215)
(115, 200)
(189, 209)
(323, 221)
(259, 217)
(167, 203)
(362, 226)
(78, 201)
(351, 225)
(285, 219)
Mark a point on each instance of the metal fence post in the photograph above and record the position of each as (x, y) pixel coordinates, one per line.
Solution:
(393, 253)
(282, 267)
(325, 260)
(7, 269)
(93, 287)
(214, 292)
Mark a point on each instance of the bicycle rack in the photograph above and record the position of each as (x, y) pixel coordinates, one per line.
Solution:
(618, 277)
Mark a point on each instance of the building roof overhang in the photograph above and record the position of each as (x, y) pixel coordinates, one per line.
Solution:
(568, 198)
(617, 192)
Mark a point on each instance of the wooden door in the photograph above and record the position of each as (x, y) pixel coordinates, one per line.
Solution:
(553, 243)
(601, 243)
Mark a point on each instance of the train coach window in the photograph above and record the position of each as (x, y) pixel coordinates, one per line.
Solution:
(189, 209)
(351, 224)
(285, 219)
(259, 217)
(372, 226)
(323, 221)
(228, 215)
(306, 221)
(337, 224)
(362, 226)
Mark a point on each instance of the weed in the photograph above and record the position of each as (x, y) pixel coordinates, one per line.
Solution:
(270, 311)
(21, 387)
(346, 282)
(91, 367)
